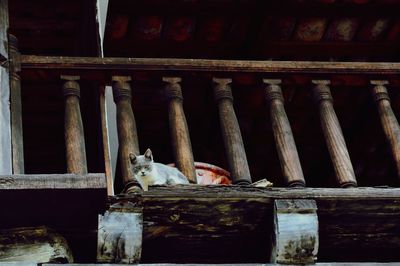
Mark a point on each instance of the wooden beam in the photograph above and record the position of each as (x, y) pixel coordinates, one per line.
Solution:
(230, 264)
(196, 220)
(5, 124)
(179, 130)
(16, 107)
(168, 64)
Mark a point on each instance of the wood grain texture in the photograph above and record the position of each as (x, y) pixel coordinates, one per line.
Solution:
(4, 23)
(388, 120)
(167, 64)
(284, 141)
(126, 125)
(203, 223)
(5, 123)
(33, 244)
(106, 143)
(179, 130)
(295, 238)
(73, 127)
(16, 108)
(333, 135)
(233, 142)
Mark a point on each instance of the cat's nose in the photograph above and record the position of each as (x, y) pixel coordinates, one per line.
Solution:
(142, 173)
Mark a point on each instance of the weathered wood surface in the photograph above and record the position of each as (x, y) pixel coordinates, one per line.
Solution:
(126, 125)
(295, 237)
(233, 142)
(33, 244)
(167, 64)
(231, 264)
(389, 122)
(284, 141)
(180, 137)
(333, 135)
(106, 142)
(5, 132)
(3, 30)
(203, 224)
(73, 127)
(119, 236)
(16, 107)
(55, 181)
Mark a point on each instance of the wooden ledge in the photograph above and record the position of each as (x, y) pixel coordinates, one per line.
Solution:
(54, 181)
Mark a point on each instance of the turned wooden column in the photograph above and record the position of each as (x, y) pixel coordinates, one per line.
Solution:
(234, 148)
(16, 107)
(333, 135)
(73, 127)
(126, 125)
(388, 119)
(178, 128)
(284, 141)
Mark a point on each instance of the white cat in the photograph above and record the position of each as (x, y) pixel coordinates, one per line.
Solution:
(148, 173)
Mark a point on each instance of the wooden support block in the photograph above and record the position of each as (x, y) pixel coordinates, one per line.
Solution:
(119, 237)
(126, 126)
(234, 148)
(295, 238)
(33, 244)
(178, 128)
(285, 145)
(16, 107)
(333, 135)
(389, 122)
(73, 127)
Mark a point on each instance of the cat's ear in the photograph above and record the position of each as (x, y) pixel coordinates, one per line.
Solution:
(132, 157)
(148, 155)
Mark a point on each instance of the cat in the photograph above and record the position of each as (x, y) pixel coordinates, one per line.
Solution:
(148, 173)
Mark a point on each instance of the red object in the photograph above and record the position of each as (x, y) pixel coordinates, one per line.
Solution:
(208, 174)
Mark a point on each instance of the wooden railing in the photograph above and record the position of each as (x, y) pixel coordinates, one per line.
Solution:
(170, 72)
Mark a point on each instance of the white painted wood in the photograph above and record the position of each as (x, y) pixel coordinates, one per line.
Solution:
(119, 237)
(5, 123)
(295, 239)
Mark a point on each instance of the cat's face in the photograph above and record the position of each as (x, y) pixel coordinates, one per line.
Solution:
(142, 165)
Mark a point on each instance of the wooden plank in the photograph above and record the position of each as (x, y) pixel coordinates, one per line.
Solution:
(167, 64)
(55, 181)
(5, 132)
(234, 264)
(3, 30)
(203, 223)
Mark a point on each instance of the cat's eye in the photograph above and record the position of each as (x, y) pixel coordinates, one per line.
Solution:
(147, 167)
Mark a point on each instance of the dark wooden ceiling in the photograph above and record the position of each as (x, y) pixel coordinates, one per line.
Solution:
(350, 30)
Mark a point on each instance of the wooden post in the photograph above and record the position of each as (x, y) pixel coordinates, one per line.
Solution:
(234, 148)
(5, 124)
(73, 127)
(284, 141)
(126, 126)
(388, 119)
(295, 237)
(180, 137)
(333, 135)
(120, 233)
(16, 107)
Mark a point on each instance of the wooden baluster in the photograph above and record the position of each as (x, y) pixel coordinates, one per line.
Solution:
(179, 130)
(333, 135)
(16, 107)
(73, 127)
(234, 148)
(126, 126)
(388, 119)
(284, 141)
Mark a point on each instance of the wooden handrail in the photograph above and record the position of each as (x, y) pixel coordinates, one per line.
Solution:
(176, 64)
